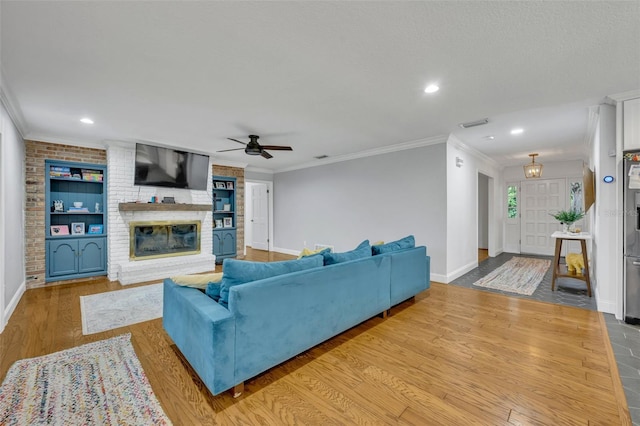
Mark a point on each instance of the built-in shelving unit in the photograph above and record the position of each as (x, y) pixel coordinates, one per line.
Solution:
(75, 220)
(224, 217)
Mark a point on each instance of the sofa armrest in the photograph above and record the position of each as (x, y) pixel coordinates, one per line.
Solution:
(203, 331)
(410, 273)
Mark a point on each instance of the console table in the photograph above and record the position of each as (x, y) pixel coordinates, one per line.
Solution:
(557, 272)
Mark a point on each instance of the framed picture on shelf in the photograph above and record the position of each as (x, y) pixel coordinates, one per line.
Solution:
(59, 230)
(228, 222)
(77, 228)
(229, 185)
(218, 223)
(220, 185)
(226, 207)
(95, 229)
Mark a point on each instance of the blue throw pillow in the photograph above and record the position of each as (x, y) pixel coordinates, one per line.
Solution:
(363, 250)
(402, 244)
(242, 271)
(213, 290)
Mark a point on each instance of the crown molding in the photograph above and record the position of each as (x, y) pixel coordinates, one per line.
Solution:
(619, 97)
(12, 106)
(592, 125)
(457, 143)
(434, 140)
(73, 142)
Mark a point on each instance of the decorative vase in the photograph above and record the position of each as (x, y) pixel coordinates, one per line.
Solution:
(565, 228)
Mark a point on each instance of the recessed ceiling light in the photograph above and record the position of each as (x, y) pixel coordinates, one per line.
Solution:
(517, 131)
(432, 88)
(490, 137)
(86, 120)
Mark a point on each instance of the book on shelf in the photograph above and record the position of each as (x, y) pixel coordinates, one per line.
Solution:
(60, 174)
(78, 209)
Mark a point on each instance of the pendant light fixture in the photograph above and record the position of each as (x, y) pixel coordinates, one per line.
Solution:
(533, 169)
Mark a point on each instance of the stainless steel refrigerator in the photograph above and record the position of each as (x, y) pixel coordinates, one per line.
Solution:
(631, 199)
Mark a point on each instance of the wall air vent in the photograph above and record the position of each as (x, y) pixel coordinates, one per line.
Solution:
(474, 123)
(320, 157)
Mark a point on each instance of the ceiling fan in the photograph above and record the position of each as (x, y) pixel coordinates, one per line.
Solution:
(254, 148)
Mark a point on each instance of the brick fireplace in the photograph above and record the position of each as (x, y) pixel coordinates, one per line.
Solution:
(128, 205)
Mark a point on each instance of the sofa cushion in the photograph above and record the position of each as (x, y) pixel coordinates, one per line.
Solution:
(401, 244)
(241, 271)
(197, 280)
(308, 252)
(213, 290)
(363, 250)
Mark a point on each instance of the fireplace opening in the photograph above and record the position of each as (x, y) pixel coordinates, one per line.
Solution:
(163, 239)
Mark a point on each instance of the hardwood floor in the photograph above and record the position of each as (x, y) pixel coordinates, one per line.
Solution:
(454, 356)
(483, 254)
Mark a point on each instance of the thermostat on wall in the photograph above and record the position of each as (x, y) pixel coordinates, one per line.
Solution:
(608, 179)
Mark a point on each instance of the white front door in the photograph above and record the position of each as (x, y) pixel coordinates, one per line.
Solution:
(540, 198)
(259, 217)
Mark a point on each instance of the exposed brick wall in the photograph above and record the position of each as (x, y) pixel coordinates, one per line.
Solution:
(237, 173)
(36, 153)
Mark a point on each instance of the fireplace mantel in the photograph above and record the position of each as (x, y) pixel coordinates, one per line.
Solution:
(162, 207)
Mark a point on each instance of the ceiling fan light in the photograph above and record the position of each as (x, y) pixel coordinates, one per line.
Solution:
(253, 150)
(533, 169)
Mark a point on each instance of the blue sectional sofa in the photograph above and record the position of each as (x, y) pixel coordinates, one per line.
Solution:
(268, 321)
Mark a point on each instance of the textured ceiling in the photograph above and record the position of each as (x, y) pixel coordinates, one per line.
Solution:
(331, 78)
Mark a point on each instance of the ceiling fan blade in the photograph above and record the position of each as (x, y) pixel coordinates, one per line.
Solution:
(266, 155)
(277, 147)
(236, 140)
(234, 149)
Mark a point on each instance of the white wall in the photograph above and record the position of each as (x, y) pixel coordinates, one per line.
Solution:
(383, 197)
(483, 211)
(462, 208)
(253, 175)
(12, 203)
(608, 290)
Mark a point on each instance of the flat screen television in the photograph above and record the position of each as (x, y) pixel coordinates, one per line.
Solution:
(157, 166)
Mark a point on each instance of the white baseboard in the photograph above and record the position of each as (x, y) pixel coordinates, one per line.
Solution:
(12, 305)
(286, 251)
(438, 278)
(606, 306)
(461, 271)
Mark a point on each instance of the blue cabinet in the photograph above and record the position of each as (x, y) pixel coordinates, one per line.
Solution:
(224, 217)
(76, 220)
(76, 258)
(224, 243)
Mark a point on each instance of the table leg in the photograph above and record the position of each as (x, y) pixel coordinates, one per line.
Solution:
(556, 263)
(587, 275)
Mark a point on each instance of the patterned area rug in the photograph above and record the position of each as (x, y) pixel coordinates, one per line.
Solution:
(100, 383)
(113, 309)
(519, 275)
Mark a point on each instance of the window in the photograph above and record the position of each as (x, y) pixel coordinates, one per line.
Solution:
(512, 202)
(575, 195)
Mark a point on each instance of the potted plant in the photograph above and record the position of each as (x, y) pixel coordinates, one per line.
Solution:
(568, 217)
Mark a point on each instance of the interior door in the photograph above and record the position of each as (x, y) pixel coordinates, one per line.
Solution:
(260, 217)
(539, 199)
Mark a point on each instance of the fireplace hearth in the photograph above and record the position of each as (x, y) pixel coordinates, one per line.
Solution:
(150, 240)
